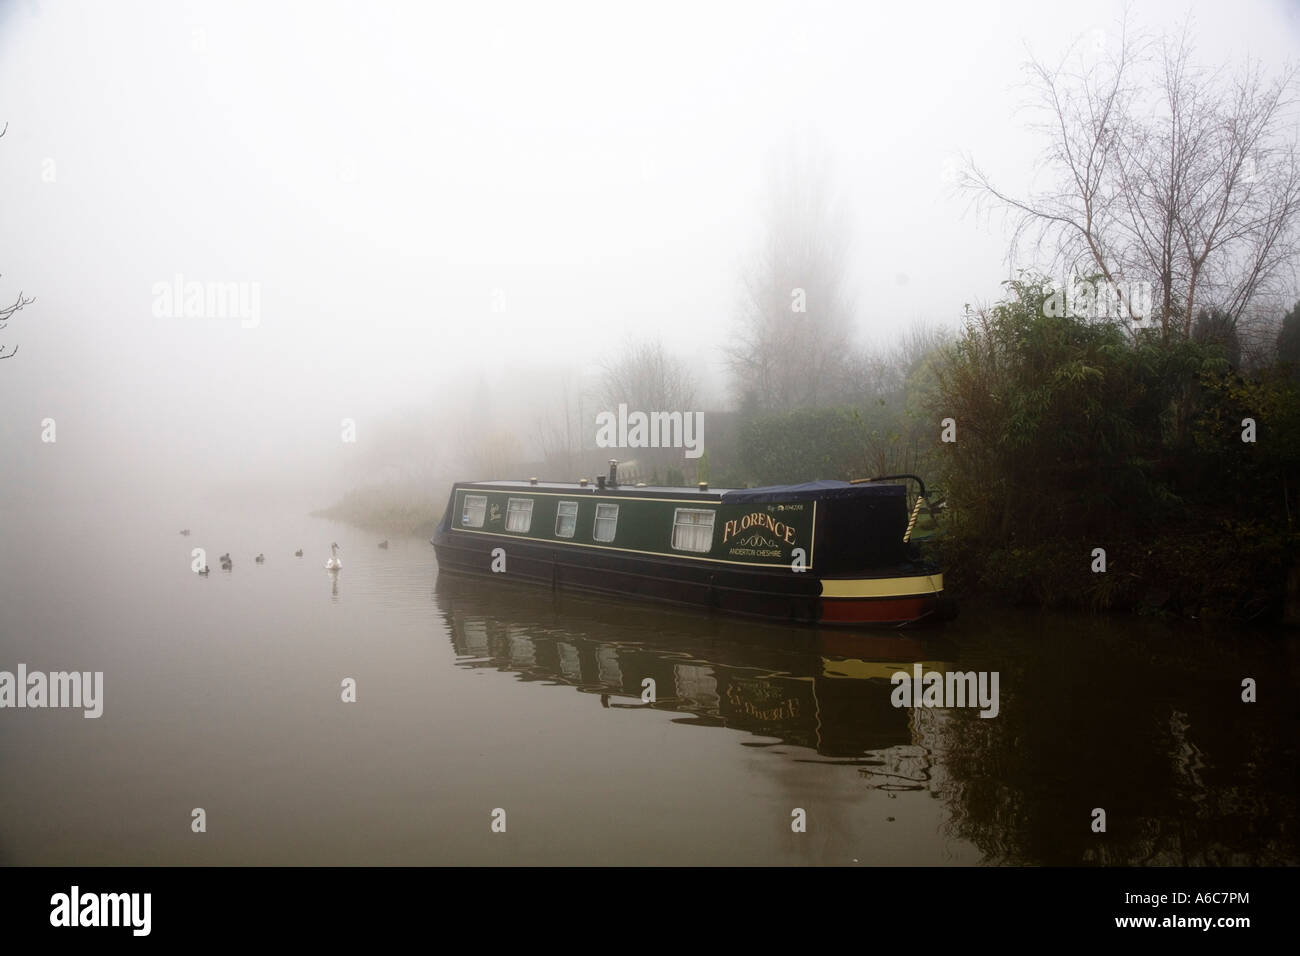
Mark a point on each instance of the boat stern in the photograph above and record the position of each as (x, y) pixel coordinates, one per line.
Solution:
(901, 600)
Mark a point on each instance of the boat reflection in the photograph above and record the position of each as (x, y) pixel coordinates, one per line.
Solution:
(826, 690)
(1143, 721)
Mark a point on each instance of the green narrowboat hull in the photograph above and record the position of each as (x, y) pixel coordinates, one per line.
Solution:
(823, 553)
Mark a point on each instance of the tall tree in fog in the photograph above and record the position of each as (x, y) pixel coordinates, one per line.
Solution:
(7, 312)
(560, 426)
(1160, 171)
(487, 440)
(647, 378)
(792, 344)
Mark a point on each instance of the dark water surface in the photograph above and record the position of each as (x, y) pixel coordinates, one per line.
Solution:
(224, 693)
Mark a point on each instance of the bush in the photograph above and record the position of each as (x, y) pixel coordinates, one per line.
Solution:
(1074, 434)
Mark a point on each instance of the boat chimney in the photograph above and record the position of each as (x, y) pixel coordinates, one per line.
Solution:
(600, 482)
(613, 473)
(703, 486)
(533, 480)
(582, 482)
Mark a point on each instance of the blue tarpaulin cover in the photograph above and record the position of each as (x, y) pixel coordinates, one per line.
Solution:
(821, 490)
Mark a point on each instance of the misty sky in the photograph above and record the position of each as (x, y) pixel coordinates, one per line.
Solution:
(381, 169)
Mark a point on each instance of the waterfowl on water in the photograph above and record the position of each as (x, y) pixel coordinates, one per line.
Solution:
(186, 532)
(384, 544)
(226, 563)
(204, 571)
(333, 564)
(260, 559)
(298, 553)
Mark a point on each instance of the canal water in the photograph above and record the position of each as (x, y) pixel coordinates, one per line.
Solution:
(479, 701)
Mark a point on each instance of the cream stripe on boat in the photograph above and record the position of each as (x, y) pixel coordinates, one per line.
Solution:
(881, 587)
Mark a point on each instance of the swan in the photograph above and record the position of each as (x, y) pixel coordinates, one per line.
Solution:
(333, 564)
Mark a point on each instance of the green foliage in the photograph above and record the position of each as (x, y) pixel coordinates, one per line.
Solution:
(1288, 339)
(1074, 434)
(1215, 327)
(1263, 473)
(803, 445)
(1061, 421)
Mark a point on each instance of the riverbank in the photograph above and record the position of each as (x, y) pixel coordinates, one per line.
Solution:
(1234, 571)
(389, 509)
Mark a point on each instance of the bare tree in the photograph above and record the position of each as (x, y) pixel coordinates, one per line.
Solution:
(792, 345)
(7, 312)
(647, 378)
(559, 428)
(1162, 172)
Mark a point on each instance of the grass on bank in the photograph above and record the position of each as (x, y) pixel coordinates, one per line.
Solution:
(413, 511)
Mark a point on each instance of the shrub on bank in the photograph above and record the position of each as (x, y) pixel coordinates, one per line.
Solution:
(1075, 434)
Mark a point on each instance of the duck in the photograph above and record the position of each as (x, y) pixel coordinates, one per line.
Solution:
(205, 571)
(185, 532)
(260, 559)
(298, 553)
(384, 544)
(226, 563)
(333, 564)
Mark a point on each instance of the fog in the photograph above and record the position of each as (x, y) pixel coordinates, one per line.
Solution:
(447, 212)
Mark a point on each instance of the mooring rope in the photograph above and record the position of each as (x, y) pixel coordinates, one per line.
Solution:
(911, 522)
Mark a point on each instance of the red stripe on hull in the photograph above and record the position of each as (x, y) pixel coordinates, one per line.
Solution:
(879, 611)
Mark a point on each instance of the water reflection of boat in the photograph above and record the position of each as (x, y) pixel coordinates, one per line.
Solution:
(830, 694)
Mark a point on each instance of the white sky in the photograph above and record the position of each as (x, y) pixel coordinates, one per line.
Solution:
(381, 168)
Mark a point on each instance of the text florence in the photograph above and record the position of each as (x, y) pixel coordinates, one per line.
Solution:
(35, 689)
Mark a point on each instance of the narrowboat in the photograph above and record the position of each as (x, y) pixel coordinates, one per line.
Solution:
(823, 552)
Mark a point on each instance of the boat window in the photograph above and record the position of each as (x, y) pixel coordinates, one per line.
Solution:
(606, 522)
(693, 529)
(475, 511)
(566, 519)
(519, 514)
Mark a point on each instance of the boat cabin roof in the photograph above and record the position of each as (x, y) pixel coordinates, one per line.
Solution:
(808, 491)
